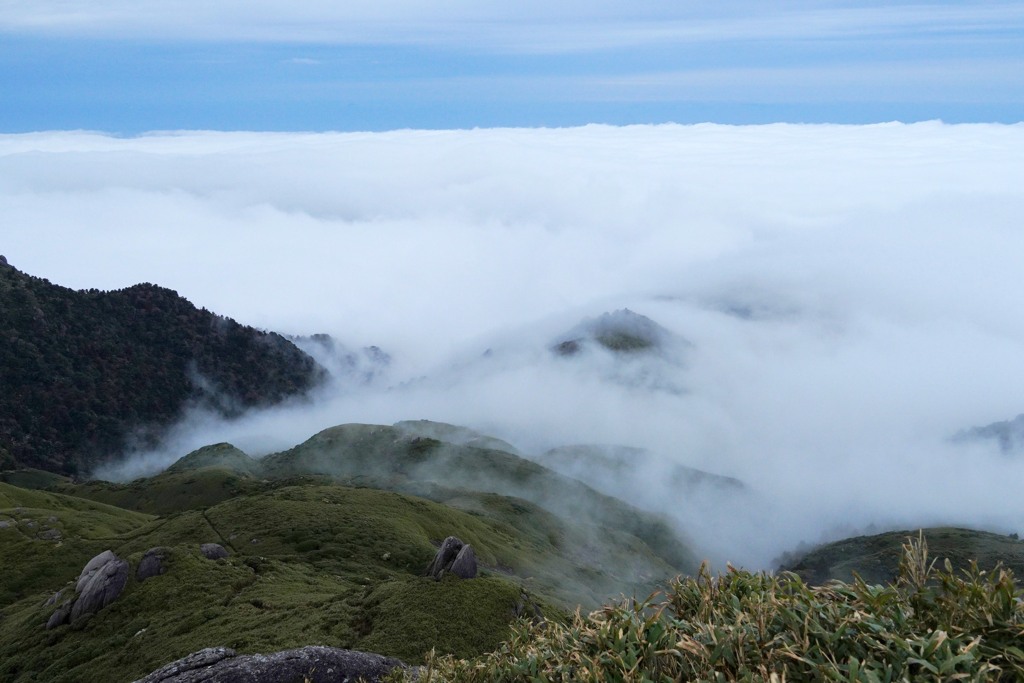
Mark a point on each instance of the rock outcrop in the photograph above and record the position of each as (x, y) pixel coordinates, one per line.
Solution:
(311, 664)
(464, 565)
(454, 557)
(93, 566)
(151, 564)
(60, 616)
(213, 551)
(99, 585)
(101, 582)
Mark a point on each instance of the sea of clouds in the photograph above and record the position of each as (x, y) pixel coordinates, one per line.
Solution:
(845, 298)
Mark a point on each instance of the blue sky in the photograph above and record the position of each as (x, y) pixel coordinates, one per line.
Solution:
(128, 66)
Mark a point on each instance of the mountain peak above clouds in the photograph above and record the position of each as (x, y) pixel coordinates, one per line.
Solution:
(621, 332)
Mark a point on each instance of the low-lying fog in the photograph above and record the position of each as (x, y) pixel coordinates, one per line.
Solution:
(839, 301)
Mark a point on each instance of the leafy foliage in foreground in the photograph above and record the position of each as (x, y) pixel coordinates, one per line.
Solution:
(930, 624)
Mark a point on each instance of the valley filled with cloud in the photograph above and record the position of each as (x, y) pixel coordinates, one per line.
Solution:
(834, 303)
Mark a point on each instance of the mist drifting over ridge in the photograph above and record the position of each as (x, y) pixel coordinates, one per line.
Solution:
(845, 297)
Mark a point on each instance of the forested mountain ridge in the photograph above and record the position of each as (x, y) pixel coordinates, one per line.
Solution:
(81, 372)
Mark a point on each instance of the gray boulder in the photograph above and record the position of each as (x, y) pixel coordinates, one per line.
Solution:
(101, 582)
(464, 565)
(448, 556)
(60, 616)
(99, 585)
(311, 664)
(444, 557)
(151, 564)
(213, 551)
(93, 566)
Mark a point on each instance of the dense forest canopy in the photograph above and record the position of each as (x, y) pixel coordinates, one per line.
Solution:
(82, 372)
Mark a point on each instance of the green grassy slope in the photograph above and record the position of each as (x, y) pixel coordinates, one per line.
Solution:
(168, 491)
(390, 458)
(454, 434)
(309, 564)
(222, 455)
(328, 543)
(314, 561)
(45, 538)
(579, 545)
(876, 558)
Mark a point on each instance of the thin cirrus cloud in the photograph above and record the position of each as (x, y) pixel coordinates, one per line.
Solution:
(130, 67)
(848, 295)
(976, 80)
(521, 26)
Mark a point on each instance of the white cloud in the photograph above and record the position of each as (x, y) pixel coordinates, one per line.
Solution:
(851, 294)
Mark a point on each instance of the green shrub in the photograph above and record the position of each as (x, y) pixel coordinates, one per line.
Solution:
(930, 624)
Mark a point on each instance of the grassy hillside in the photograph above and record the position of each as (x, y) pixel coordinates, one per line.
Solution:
(876, 558)
(327, 545)
(46, 538)
(309, 564)
(169, 491)
(594, 545)
(392, 458)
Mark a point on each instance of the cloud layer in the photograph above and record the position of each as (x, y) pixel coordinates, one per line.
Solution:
(849, 295)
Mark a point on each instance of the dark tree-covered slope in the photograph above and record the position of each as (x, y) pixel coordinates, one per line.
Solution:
(82, 371)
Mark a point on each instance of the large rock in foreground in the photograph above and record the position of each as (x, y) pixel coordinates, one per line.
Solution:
(311, 664)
